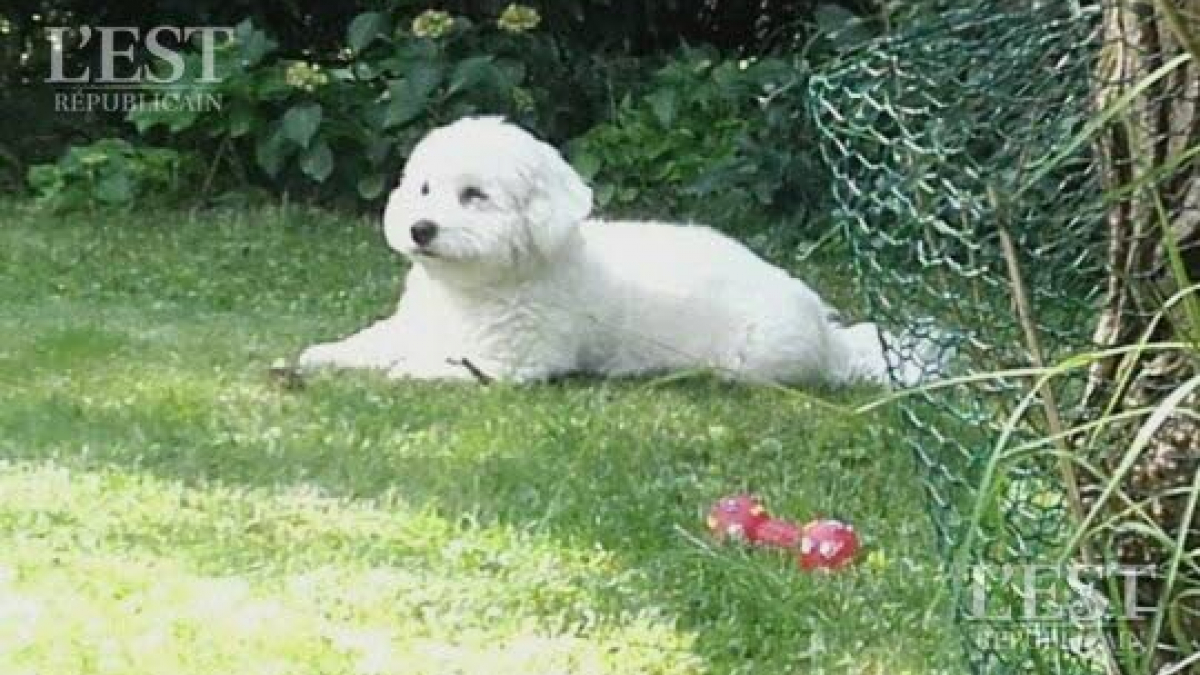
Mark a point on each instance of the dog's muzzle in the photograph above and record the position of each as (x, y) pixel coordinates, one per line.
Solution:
(423, 232)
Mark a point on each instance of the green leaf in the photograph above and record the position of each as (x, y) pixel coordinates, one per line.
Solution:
(473, 72)
(408, 52)
(365, 29)
(587, 164)
(664, 103)
(512, 72)
(43, 177)
(175, 120)
(254, 44)
(605, 194)
(180, 120)
(409, 96)
(424, 77)
(270, 152)
(317, 162)
(240, 119)
(114, 188)
(364, 70)
(141, 121)
(377, 151)
(266, 84)
(402, 109)
(371, 185)
(300, 123)
(372, 118)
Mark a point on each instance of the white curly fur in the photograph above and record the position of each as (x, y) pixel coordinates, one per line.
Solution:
(519, 283)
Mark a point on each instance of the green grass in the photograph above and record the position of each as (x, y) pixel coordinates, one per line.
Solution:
(166, 507)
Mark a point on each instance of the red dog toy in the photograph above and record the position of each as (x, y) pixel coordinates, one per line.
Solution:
(827, 545)
(819, 545)
(779, 534)
(738, 518)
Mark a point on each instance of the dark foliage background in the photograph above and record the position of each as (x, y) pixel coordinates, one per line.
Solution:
(710, 86)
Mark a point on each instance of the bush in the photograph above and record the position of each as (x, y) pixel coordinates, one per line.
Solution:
(573, 71)
(716, 138)
(112, 172)
(344, 127)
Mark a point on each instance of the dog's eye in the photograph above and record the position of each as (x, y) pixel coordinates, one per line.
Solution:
(424, 189)
(472, 195)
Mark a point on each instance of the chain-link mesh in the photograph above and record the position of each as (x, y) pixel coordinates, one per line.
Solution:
(957, 181)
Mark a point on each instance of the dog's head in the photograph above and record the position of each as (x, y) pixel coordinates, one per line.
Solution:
(481, 193)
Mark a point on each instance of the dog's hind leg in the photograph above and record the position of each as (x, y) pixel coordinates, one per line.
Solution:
(859, 349)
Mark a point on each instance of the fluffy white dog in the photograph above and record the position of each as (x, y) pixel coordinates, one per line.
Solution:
(511, 280)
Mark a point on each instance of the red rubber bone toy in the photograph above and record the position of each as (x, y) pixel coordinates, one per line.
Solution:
(827, 545)
(738, 518)
(819, 545)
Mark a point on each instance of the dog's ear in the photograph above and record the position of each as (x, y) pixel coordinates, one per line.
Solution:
(559, 200)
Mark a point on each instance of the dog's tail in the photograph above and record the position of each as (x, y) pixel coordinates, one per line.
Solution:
(920, 354)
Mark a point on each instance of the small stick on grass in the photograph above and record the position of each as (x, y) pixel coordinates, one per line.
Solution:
(478, 374)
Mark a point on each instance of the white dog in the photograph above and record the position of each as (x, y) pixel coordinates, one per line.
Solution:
(511, 280)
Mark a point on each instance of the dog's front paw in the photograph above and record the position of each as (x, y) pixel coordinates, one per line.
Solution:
(323, 355)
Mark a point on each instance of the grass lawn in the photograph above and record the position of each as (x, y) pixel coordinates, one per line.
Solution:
(166, 508)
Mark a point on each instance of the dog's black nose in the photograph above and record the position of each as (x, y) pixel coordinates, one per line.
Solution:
(423, 232)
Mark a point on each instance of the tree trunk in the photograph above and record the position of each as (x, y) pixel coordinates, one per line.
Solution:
(1162, 122)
